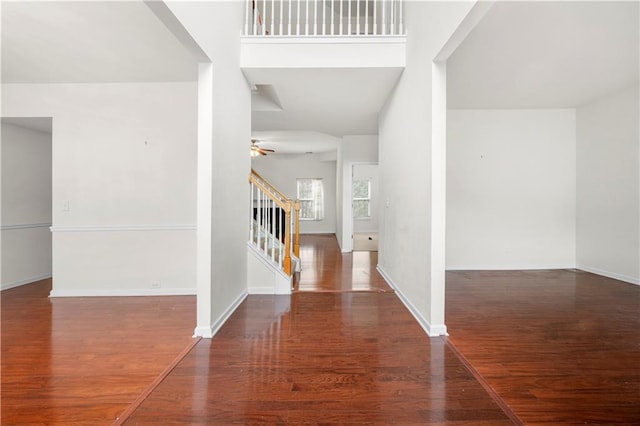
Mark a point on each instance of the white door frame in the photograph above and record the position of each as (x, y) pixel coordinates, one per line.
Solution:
(347, 207)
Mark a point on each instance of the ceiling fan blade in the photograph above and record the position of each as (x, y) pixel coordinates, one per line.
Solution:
(267, 150)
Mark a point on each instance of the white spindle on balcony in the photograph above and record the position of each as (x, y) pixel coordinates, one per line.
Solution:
(287, 18)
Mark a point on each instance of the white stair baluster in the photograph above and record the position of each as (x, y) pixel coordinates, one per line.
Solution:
(358, 17)
(273, 231)
(264, 24)
(375, 17)
(349, 18)
(246, 17)
(333, 31)
(315, 17)
(393, 17)
(341, 16)
(366, 17)
(255, 18)
(273, 16)
(324, 17)
(400, 18)
(307, 19)
(289, 20)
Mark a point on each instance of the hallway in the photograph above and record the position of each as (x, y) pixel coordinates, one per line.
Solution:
(325, 269)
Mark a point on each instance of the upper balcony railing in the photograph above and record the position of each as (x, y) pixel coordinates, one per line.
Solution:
(323, 18)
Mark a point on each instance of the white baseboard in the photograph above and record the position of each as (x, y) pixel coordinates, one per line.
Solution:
(431, 330)
(261, 290)
(209, 332)
(507, 268)
(615, 276)
(24, 226)
(123, 292)
(13, 284)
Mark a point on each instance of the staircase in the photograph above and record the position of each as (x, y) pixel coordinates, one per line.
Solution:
(274, 240)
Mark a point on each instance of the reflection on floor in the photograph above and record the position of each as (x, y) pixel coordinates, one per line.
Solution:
(353, 357)
(558, 347)
(325, 268)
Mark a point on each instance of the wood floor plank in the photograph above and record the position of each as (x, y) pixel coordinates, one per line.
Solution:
(558, 346)
(323, 357)
(326, 269)
(84, 360)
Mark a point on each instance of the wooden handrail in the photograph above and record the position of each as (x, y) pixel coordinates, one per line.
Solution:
(285, 203)
(255, 177)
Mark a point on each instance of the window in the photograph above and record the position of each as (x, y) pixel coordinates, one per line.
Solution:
(362, 199)
(311, 196)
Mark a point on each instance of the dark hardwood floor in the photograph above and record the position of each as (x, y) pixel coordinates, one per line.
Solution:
(559, 347)
(356, 358)
(326, 269)
(84, 360)
(554, 347)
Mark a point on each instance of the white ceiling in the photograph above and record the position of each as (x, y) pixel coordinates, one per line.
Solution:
(296, 142)
(314, 108)
(336, 101)
(546, 54)
(90, 41)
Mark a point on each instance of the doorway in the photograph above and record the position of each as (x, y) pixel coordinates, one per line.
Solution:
(364, 207)
(26, 200)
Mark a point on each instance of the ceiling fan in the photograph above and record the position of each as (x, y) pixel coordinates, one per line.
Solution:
(256, 150)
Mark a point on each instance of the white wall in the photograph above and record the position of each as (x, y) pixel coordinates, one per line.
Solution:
(608, 186)
(123, 184)
(354, 149)
(282, 172)
(216, 27)
(26, 205)
(405, 152)
(511, 181)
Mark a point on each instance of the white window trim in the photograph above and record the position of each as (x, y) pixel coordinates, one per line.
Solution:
(353, 199)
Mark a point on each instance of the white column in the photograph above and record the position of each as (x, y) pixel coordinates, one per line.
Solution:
(204, 204)
(438, 195)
